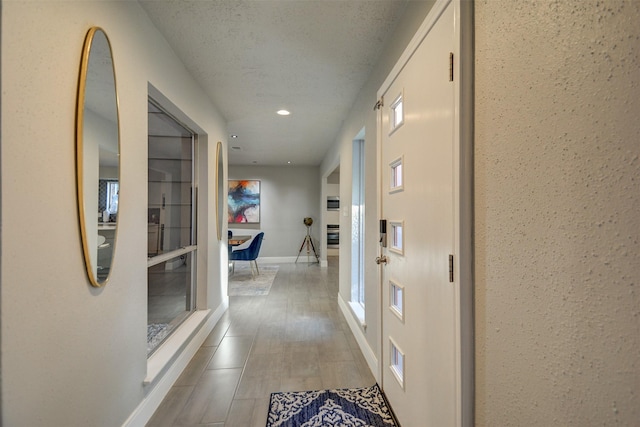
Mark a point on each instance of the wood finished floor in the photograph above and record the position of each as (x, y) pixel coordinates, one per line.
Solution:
(293, 339)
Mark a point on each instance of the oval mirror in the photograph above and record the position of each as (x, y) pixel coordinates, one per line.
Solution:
(97, 155)
(220, 187)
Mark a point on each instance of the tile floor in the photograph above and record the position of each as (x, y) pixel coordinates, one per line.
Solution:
(293, 339)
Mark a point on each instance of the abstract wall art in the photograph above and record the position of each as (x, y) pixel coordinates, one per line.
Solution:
(244, 201)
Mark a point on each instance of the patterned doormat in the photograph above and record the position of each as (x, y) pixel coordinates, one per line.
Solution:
(362, 407)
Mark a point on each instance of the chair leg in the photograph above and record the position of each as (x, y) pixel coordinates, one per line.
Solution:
(256, 263)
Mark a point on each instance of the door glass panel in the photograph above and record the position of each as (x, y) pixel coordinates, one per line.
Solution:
(397, 363)
(397, 180)
(396, 299)
(397, 113)
(397, 242)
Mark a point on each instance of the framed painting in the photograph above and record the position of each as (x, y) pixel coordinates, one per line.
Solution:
(244, 201)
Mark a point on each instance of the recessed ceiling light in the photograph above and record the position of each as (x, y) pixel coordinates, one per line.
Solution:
(289, 163)
(234, 136)
(283, 112)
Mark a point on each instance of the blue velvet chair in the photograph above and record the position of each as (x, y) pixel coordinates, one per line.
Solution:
(251, 253)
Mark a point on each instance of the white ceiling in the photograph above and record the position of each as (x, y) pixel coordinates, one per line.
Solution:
(255, 57)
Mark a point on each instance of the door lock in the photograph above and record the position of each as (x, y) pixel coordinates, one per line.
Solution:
(381, 260)
(383, 233)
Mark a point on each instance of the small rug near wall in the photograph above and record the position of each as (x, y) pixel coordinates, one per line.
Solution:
(242, 283)
(362, 407)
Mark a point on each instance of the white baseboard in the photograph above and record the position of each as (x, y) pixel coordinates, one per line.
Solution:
(302, 259)
(286, 260)
(160, 384)
(356, 328)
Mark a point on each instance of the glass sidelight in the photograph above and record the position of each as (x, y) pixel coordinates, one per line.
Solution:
(357, 222)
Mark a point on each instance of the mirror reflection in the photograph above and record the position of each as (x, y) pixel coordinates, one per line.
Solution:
(98, 163)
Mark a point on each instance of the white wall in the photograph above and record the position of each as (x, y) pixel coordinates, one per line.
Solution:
(362, 116)
(288, 194)
(557, 213)
(72, 354)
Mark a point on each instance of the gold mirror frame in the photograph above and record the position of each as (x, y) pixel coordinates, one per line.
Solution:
(97, 144)
(219, 189)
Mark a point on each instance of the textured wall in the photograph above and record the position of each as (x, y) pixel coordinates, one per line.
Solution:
(557, 213)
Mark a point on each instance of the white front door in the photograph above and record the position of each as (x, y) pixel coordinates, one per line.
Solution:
(420, 300)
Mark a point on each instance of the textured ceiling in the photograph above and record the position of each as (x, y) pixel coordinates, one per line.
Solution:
(256, 57)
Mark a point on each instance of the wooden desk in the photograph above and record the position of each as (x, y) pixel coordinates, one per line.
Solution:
(238, 240)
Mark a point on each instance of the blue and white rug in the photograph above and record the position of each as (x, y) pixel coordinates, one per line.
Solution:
(361, 407)
(243, 283)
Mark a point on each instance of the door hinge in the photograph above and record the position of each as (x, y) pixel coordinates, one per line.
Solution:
(451, 268)
(379, 104)
(450, 66)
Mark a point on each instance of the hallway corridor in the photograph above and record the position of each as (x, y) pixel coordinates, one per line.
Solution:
(293, 339)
